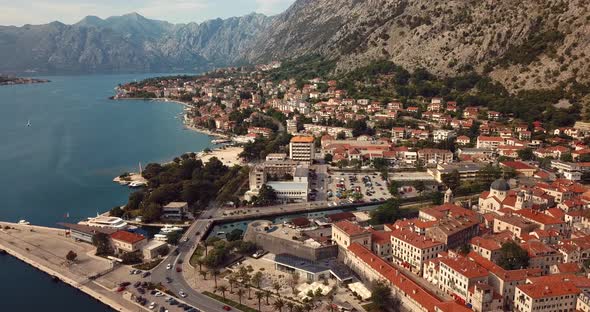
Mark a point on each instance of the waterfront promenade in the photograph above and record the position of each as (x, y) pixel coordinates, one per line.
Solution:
(46, 248)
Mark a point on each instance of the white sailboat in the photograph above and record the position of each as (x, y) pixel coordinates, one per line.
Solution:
(28, 123)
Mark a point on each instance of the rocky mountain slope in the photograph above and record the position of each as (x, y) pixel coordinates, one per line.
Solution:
(129, 43)
(524, 44)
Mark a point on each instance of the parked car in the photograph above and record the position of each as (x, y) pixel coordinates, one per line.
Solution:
(169, 266)
(182, 293)
(227, 308)
(178, 269)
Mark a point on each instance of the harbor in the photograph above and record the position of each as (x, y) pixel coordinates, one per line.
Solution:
(45, 249)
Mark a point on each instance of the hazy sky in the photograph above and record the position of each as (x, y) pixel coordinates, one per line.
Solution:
(20, 12)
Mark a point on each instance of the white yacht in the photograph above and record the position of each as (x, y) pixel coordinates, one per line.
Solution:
(106, 222)
(24, 222)
(169, 229)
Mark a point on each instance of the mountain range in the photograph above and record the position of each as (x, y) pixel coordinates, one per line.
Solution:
(524, 44)
(128, 43)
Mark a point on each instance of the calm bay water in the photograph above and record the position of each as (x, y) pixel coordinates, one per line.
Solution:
(65, 161)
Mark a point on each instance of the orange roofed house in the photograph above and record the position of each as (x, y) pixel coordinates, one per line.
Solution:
(124, 241)
(413, 296)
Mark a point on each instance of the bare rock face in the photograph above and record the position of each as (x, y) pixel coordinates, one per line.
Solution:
(524, 44)
(128, 43)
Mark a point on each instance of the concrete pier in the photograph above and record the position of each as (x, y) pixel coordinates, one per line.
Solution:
(46, 248)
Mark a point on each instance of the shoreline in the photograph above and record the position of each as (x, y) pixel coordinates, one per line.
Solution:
(90, 287)
(185, 105)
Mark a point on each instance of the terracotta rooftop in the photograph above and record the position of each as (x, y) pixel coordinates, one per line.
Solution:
(127, 237)
(415, 239)
(302, 139)
(538, 217)
(350, 228)
(537, 291)
(465, 267)
(399, 280)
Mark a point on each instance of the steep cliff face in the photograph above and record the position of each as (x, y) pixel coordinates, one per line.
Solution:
(129, 43)
(522, 43)
(525, 44)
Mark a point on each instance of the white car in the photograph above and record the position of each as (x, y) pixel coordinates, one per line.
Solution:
(182, 294)
(159, 294)
(169, 266)
(152, 305)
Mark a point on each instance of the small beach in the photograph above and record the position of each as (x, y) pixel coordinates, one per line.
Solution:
(227, 155)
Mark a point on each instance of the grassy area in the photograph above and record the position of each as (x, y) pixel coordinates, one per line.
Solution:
(147, 266)
(230, 302)
(197, 255)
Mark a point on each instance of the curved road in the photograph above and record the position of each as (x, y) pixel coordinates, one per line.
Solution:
(185, 250)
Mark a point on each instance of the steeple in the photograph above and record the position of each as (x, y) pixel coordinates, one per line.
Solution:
(448, 196)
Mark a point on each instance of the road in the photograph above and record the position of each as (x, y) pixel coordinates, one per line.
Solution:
(185, 250)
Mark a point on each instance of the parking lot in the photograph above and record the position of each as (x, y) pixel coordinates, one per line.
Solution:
(158, 301)
(357, 187)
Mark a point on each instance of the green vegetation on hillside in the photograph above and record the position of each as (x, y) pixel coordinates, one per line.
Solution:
(384, 81)
(303, 68)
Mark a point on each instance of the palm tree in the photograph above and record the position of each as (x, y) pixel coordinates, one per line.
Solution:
(222, 289)
(267, 295)
(276, 286)
(200, 262)
(279, 304)
(257, 279)
(232, 281)
(215, 273)
(249, 288)
(204, 273)
(259, 296)
(290, 305)
(240, 294)
(298, 308)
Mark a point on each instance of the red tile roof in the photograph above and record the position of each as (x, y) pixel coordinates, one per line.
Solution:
(518, 165)
(415, 239)
(506, 275)
(465, 267)
(397, 278)
(537, 217)
(127, 237)
(350, 228)
(537, 291)
(381, 237)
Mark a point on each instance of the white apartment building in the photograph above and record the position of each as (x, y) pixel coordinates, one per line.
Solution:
(441, 135)
(411, 250)
(489, 142)
(302, 149)
(457, 274)
(546, 297)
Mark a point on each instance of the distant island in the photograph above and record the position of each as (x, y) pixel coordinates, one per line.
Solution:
(5, 81)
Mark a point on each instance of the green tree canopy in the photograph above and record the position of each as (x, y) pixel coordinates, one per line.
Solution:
(513, 257)
(382, 300)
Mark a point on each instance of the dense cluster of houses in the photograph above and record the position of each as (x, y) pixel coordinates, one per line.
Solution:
(420, 260)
